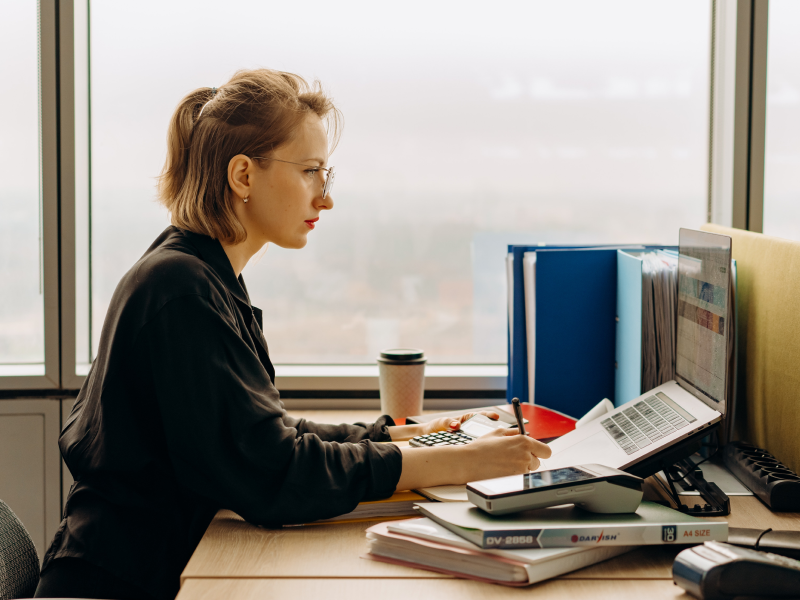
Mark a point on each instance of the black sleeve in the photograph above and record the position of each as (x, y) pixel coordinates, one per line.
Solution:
(227, 434)
(377, 431)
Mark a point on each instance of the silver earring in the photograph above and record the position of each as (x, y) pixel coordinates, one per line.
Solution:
(245, 200)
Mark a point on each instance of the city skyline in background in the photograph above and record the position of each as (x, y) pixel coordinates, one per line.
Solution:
(464, 131)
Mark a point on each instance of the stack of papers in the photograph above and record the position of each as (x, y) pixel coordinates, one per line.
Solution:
(659, 306)
(400, 504)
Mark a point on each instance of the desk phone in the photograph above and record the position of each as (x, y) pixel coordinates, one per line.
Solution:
(472, 428)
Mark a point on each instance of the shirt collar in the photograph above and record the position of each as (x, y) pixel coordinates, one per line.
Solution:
(211, 252)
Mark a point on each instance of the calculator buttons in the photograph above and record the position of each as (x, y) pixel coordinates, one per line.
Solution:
(444, 438)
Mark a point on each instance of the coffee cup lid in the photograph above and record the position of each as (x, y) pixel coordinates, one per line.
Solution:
(402, 354)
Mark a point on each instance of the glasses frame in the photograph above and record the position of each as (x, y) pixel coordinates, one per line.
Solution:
(328, 179)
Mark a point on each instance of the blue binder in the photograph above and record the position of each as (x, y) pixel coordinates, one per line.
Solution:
(576, 302)
(576, 351)
(517, 382)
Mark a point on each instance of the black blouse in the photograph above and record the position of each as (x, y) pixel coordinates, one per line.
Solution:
(180, 417)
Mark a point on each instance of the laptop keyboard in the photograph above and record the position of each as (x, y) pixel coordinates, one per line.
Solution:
(643, 423)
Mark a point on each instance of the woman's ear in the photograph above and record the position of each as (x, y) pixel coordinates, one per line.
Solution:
(239, 168)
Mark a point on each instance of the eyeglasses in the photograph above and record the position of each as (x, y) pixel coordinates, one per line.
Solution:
(329, 174)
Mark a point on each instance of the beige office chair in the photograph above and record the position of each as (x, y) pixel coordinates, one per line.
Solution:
(19, 565)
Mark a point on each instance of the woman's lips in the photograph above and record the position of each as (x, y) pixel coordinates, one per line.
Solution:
(310, 222)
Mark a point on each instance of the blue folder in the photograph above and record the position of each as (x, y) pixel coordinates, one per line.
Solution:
(576, 351)
(628, 383)
(628, 355)
(517, 382)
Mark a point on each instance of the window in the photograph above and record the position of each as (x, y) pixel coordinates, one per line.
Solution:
(782, 151)
(468, 126)
(21, 253)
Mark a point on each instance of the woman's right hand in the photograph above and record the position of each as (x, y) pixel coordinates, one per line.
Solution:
(504, 452)
(499, 453)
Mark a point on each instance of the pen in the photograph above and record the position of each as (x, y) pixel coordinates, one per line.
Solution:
(518, 414)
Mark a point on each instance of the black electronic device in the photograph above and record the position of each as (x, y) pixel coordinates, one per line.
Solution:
(471, 429)
(595, 488)
(717, 571)
(775, 484)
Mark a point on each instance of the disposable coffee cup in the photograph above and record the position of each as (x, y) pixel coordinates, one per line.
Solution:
(402, 382)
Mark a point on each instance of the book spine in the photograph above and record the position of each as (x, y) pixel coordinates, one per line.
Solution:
(573, 537)
(651, 535)
(525, 538)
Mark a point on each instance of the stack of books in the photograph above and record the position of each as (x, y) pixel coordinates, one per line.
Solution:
(461, 540)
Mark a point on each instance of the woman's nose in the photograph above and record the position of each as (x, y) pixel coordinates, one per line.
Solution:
(325, 203)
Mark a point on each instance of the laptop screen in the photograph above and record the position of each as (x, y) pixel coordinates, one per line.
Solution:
(701, 362)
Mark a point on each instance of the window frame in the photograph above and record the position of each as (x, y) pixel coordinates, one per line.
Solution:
(735, 198)
(49, 192)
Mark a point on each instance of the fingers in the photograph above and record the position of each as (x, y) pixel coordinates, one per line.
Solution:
(487, 413)
(538, 448)
(541, 449)
(466, 417)
(499, 432)
(491, 414)
(534, 446)
(535, 463)
(437, 425)
(454, 424)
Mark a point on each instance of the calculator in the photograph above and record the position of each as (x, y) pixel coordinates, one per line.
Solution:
(472, 428)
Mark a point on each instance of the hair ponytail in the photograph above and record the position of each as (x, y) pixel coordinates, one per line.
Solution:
(253, 114)
(179, 136)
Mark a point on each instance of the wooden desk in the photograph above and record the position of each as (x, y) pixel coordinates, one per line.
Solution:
(239, 560)
(422, 589)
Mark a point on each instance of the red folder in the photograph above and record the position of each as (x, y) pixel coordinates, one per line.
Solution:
(543, 423)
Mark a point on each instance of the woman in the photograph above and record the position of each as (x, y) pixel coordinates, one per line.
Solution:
(179, 415)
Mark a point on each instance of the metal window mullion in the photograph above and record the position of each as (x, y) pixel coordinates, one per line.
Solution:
(758, 114)
(48, 82)
(741, 116)
(69, 379)
(738, 113)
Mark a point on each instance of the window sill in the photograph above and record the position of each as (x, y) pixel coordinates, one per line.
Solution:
(356, 386)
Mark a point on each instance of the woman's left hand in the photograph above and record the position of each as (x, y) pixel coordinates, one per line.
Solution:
(454, 423)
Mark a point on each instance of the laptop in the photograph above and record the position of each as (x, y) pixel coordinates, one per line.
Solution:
(667, 423)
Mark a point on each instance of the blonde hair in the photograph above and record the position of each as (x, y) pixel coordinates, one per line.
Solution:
(253, 114)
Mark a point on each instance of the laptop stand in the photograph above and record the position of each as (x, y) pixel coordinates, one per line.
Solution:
(677, 466)
(717, 503)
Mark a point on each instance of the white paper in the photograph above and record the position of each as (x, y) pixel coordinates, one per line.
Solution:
(529, 283)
